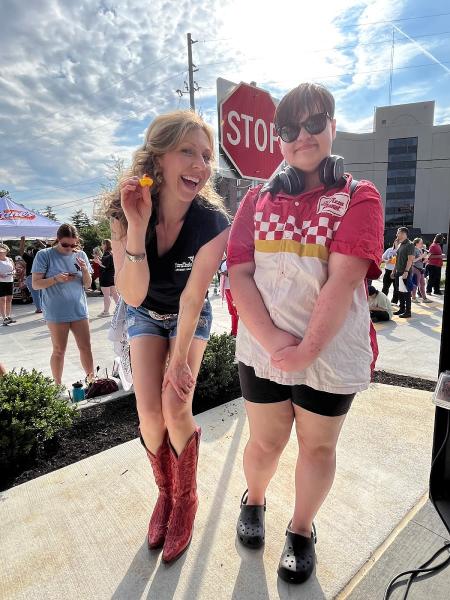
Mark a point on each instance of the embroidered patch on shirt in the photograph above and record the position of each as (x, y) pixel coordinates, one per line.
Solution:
(185, 265)
(337, 204)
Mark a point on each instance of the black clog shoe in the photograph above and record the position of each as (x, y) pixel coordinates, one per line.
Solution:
(298, 558)
(250, 526)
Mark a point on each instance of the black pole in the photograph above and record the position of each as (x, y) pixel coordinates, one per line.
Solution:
(440, 471)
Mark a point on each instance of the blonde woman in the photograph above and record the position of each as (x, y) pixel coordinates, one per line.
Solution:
(168, 241)
(7, 271)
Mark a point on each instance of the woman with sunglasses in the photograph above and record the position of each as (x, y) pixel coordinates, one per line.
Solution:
(299, 251)
(63, 273)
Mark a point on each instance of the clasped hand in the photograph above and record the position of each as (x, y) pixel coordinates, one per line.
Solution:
(179, 376)
(286, 352)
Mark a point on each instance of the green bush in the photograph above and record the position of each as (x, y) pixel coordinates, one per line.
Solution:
(32, 412)
(218, 372)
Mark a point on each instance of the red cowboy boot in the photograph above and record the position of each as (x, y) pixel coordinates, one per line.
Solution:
(162, 470)
(181, 524)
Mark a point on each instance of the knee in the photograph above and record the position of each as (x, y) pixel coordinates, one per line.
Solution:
(175, 412)
(267, 447)
(150, 417)
(85, 348)
(318, 453)
(58, 351)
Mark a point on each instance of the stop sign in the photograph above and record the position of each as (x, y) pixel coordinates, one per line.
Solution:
(248, 136)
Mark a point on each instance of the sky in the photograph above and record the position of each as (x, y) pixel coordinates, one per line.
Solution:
(80, 82)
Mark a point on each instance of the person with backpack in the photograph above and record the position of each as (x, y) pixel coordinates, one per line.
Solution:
(300, 250)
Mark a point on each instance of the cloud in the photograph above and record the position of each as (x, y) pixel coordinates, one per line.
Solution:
(72, 73)
(442, 114)
(80, 82)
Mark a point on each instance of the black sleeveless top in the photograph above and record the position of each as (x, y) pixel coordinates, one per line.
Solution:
(106, 276)
(169, 273)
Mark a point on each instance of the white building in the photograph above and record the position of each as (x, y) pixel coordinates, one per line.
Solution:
(408, 158)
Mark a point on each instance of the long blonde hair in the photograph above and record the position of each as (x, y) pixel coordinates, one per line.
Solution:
(165, 133)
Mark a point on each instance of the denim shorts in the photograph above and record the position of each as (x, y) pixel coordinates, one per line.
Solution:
(141, 321)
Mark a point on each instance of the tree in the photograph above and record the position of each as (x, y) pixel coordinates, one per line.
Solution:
(94, 234)
(4, 193)
(115, 170)
(80, 219)
(48, 212)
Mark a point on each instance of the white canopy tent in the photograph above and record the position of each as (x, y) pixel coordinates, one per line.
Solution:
(16, 221)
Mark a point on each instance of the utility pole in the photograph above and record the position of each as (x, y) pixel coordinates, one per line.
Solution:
(191, 65)
(191, 87)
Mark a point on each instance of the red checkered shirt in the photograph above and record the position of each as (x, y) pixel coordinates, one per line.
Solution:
(290, 240)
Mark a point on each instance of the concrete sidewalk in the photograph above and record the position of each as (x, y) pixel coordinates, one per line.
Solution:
(415, 544)
(421, 335)
(79, 533)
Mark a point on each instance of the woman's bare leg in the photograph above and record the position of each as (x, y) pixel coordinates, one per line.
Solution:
(82, 335)
(148, 361)
(106, 299)
(270, 428)
(59, 333)
(178, 414)
(8, 302)
(316, 465)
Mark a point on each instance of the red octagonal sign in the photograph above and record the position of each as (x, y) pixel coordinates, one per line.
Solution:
(247, 130)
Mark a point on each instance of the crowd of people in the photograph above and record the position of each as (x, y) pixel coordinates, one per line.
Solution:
(295, 277)
(57, 275)
(414, 273)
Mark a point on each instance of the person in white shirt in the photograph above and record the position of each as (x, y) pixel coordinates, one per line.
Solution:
(389, 258)
(6, 285)
(379, 305)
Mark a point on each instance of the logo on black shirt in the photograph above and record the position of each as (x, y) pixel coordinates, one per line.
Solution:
(185, 265)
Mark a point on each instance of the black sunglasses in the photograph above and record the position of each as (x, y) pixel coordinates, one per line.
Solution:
(66, 245)
(313, 125)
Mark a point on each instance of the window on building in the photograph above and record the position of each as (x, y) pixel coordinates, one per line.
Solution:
(401, 182)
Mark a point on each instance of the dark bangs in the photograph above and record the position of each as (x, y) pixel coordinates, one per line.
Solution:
(305, 99)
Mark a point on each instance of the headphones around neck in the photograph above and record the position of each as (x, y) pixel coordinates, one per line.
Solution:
(291, 180)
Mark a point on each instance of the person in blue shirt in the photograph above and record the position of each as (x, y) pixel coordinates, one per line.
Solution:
(63, 272)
